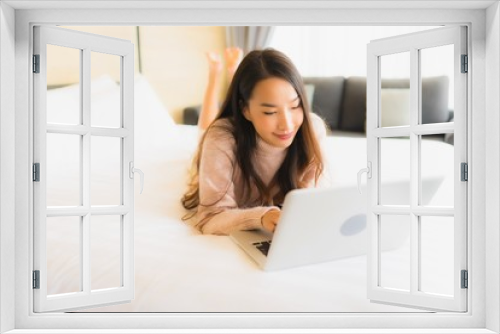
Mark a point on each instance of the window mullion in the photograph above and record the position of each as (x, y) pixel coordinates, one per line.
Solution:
(82, 211)
(414, 170)
(86, 164)
(82, 130)
(421, 129)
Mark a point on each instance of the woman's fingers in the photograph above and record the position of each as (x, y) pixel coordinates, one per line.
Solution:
(270, 220)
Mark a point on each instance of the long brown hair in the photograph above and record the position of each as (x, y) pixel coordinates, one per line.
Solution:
(304, 150)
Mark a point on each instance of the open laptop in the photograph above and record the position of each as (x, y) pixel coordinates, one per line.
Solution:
(323, 224)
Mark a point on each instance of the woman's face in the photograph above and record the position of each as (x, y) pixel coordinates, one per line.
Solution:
(275, 111)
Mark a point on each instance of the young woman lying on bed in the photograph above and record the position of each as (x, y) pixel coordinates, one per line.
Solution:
(263, 143)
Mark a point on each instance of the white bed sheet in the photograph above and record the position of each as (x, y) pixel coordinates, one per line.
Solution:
(179, 270)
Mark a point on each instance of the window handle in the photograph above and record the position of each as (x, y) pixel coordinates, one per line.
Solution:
(133, 170)
(368, 171)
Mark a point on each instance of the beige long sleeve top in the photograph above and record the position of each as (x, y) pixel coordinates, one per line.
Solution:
(221, 209)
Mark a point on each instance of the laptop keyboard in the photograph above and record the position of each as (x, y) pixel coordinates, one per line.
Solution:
(263, 246)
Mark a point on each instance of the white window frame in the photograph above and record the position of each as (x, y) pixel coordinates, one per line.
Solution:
(123, 52)
(411, 45)
(483, 145)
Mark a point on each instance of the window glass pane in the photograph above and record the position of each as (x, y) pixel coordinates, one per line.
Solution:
(395, 89)
(395, 252)
(105, 90)
(63, 85)
(395, 171)
(105, 170)
(63, 255)
(437, 82)
(437, 171)
(105, 240)
(63, 169)
(436, 254)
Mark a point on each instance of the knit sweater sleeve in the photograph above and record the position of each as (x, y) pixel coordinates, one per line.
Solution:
(218, 211)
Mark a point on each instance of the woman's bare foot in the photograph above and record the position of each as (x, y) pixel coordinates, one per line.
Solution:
(233, 56)
(214, 62)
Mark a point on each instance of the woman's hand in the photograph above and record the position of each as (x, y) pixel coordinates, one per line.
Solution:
(270, 219)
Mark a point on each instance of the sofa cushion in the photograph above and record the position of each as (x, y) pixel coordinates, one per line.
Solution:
(327, 98)
(353, 114)
(395, 106)
(434, 101)
(191, 114)
(434, 97)
(309, 94)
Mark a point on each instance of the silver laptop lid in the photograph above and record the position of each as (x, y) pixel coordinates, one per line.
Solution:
(323, 224)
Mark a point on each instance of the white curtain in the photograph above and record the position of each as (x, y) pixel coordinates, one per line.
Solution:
(334, 50)
(249, 38)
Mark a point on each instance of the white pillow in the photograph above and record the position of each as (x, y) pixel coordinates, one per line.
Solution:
(63, 103)
(148, 109)
(152, 122)
(155, 141)
(156, 133)
(102, 85)
(148, 101)
(309, 94)
(395, 106)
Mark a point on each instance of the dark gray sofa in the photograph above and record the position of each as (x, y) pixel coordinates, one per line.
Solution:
(341, 102)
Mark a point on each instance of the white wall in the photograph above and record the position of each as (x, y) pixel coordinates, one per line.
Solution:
(492, 162)
(7, 159)
(174, 62)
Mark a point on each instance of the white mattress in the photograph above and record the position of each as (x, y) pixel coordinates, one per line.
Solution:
(179, 270)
